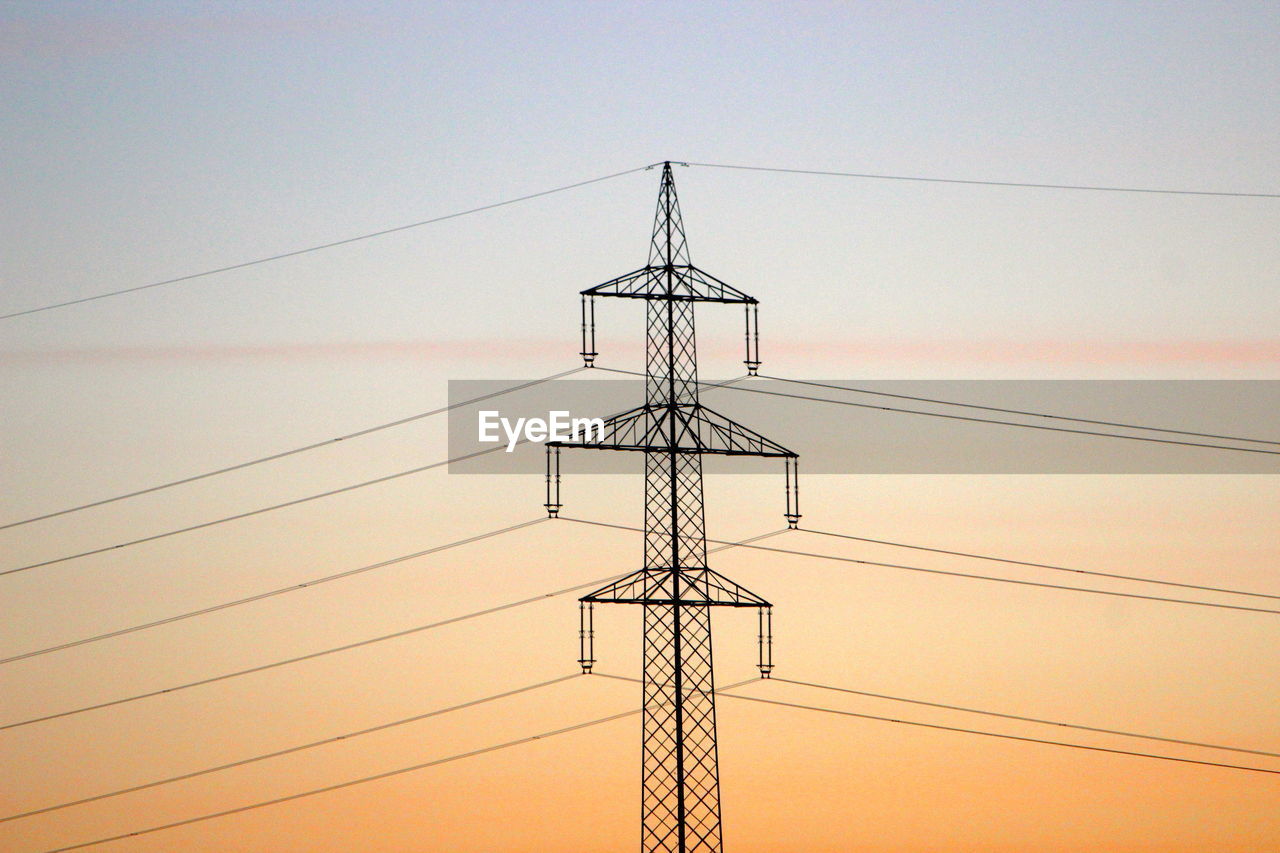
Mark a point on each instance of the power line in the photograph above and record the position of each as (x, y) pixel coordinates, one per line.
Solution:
(1038, 584)
(1089, 572)
(1027, 719)
(1020, 184)
(309, 656)
(974, 419)
(352, 782)
(296, 252)
(281, 455)
(290, 750)
(392, 230)
(999, 735)
(306, 585)
(261, 510)
(976, 731)
(372, 778)
(349, 646)
(120, 632)
(296, 501)
(1016, 411)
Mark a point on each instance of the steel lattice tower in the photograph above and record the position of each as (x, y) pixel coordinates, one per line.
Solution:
(680, 774)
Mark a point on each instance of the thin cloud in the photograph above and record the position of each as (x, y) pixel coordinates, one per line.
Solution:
(475, 349)
(979, 352)
(1067, 352)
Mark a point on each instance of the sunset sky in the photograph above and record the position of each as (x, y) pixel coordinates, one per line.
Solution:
(146, 141)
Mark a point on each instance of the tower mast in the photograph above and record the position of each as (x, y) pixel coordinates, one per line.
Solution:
(680, 780)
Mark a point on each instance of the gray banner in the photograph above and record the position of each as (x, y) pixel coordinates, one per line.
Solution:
(903, 427)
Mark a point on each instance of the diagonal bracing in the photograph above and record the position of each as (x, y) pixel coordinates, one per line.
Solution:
(680, 777)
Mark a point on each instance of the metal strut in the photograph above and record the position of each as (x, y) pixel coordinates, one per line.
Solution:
(588, 331)
(752, 360)
(553, 504)
(586, 636)
(766, 641)
(792, 466)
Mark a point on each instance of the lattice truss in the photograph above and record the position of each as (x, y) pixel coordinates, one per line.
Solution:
(686, 282)
(681, 791)
(671, 354)
(681, 780)
(675, 552)
(684, 429)
(670, 275)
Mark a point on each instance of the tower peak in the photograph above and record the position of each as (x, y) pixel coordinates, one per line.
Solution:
(668, 246)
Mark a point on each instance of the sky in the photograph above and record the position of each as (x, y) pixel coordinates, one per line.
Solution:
(147, 141)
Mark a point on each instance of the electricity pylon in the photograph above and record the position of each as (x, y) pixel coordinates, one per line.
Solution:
(680, 775)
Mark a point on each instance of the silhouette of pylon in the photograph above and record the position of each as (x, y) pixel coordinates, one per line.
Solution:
(680, 762)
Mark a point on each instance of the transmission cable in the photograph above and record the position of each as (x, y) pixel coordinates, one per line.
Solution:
(1083, 728)
(296, 252)
(997, 422)
(309, 656)
(202, 525)
(989, 558)
(1038, 584)
(304, 585)
(290, 750)
(281, 455)
(1020, 184)
(294, 502)
(349, 646)
(497, 447)
(1025, 412)
(385, 231)
(214, 608)
(976, 711)
(975, 419)
(999, 735)
(352, 782)
(374, 777)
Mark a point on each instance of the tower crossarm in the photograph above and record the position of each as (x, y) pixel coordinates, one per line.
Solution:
(680, 428)
(698, 586)
(676, 282)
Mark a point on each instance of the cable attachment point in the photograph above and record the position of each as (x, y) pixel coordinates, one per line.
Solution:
(792, 467)
(586, 636)
(553, 483)
(752, 361)
(766, 641)
(588, 331)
